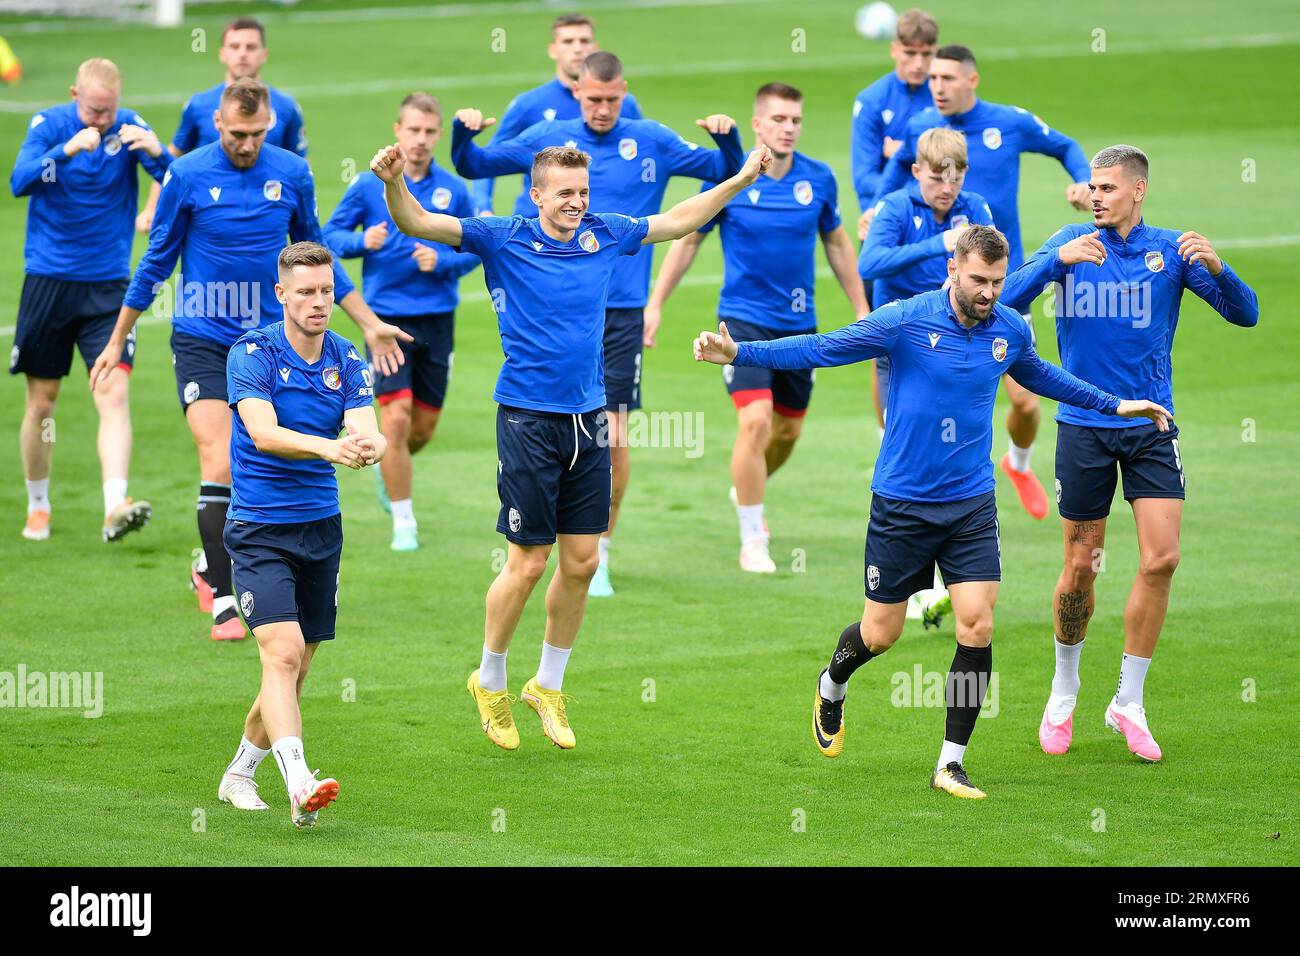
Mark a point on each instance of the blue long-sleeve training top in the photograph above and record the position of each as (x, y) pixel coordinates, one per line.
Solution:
(1115, 322)
(630, 168)
(942, 383)
(880, 110)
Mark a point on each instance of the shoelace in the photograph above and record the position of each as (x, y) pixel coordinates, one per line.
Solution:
(244, 783)
(557, 702)
(501, 710)
(958, 773)
(831, 713)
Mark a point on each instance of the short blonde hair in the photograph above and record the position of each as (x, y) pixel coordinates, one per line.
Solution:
(564, 157)
(99, 70)
(941, 148)
(917, 28)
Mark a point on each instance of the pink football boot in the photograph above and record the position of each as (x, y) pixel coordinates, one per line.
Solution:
(1057, 728)
(1131, 721)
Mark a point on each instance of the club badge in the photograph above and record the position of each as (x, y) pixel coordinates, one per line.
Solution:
(333, 381)
(627, 148)
(993, 137)
(1155, 261)
(960, 222)
(589, 241)
(803, 192)
(873, 577)
(441, 197)
(271, 190)
(112, 145)
(999, 349)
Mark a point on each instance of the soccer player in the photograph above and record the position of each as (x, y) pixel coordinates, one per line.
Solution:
(632, 161)
(880, 115)
(225, 210)
(243, 52)
(413, 285)
(1119, 282)
(78, 164)
(573, 36)
(548, 278)
(294, 386)
(769, 247)
(932, 493)
(996, 136)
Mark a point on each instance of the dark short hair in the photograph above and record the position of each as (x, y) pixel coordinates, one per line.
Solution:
(781, 91)
(602, 66)
(247, 94)
(1131, 158)
(917, 28)
(985, 242)
(424, 102)
(955, 51)
(244, 23)
(303, 254)
(572, 20)
(565, 157)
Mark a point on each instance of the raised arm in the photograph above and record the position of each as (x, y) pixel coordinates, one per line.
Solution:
(410, 217)
(690, 214)
(676, 262)
(1213, 281)
(710, 165)
(43, 152)
(504, 156)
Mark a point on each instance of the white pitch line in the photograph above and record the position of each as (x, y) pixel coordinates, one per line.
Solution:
(789, 63)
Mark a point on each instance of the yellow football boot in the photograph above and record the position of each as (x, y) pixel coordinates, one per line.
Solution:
(494, 714)
(952, 779)
(828, 722)
(549, 705)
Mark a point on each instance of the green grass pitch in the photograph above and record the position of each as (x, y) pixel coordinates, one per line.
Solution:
(693, 684)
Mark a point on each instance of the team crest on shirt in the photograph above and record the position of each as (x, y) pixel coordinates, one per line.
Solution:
(1155, 261)
(332, 379)
(589, 241)
(803, 192)
(271, 190)
(246, 603)
(999, 349)
(873, 577)
(993, 137)
(627, 148)
(441, 197)
(112, 145)
(548, 113)
(887, 116)
(960, 222)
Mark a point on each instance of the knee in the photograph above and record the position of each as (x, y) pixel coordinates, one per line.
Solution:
(878, 639)
(421, 433)
(756, 431)
(528, 569)
(581, 568)
(787, 430)
(1159, 564)
(40, 405)
(396, 420)
(1025, 402)
(284, 657)
(112, 396)
(1081, 570)
(975, 631)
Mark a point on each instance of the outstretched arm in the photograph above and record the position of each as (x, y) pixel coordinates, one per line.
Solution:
(676, 262)
(690, 214)
(410, 217)
(869, 337)
(1043, 378)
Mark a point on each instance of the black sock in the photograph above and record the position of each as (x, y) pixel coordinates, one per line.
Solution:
(850, 654)
(968, 680)
(214, 499)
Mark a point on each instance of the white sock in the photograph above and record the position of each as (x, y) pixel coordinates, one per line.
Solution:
(1065, 683)
(247, 759)
(550, 672)
(293, 764)
(949, 753)
(403, 513)
(602, 549)
(222, 604)
(38, 495)
(1019, 456)
(492, 670)
(830, 690)
(1132, 675)
(751, 522)
(202, 561)
(114, 493)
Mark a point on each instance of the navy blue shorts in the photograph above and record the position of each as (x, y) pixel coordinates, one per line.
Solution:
(906, 538)
(56, 314)
(1148, 458)
(423, 376)
(287, 572)
(200, 367)
(789, 390)
(624, 332)
(553, 474)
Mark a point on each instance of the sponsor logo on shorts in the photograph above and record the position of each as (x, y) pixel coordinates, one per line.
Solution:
(331, 377)
(13, 357)
(112, 145)
(999, 349)
(993, 137)
(246, 603)
(271, 190)
(1058, 491)
(441, 197)
(627, 148)
(589, 241)
(803, 192)
(1155, 261)
(516, 520)
(873, 577)
(191, 392)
